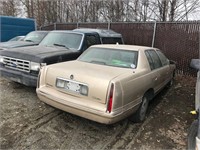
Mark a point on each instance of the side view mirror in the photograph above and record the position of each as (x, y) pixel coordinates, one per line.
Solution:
(195, 64)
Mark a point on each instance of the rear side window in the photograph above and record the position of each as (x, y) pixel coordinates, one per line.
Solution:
(163, 58)
(154, 60)
(149, 60)
(112, 40)
(90, 40)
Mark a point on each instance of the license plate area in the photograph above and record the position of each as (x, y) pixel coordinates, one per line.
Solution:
(72, 86)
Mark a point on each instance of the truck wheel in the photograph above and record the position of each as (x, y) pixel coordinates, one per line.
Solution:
(140, 114)
(192, 135)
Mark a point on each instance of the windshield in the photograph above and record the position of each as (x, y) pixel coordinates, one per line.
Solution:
(68, 40)
(35, 37)
(110, 57)
(17, 38)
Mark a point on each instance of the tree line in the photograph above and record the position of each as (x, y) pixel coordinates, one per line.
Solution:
(64, 11)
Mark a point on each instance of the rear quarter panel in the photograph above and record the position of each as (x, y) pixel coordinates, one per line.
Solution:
(135, 83)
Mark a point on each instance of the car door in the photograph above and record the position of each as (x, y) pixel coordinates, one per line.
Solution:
(156, 68)
(166, 71)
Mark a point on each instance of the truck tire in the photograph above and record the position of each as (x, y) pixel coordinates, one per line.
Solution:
(192, 135)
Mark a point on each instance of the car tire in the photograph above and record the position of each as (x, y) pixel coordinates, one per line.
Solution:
(140, 114)
(170, 83)
(192, 135)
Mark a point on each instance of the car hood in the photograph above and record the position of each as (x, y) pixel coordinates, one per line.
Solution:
(96, 77)
(34, 53)
(13, 44)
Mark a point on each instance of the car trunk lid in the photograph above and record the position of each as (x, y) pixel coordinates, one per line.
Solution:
(96, 77)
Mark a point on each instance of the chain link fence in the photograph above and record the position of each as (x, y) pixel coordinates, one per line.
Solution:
(179, 41)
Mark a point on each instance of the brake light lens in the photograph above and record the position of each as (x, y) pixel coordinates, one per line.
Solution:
(110, 99)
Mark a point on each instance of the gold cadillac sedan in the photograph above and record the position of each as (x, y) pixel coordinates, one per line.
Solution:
(107, 83)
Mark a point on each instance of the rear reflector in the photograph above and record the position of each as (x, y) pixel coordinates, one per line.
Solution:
(110, 99)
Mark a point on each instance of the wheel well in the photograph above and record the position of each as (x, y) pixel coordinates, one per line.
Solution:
(150, 94)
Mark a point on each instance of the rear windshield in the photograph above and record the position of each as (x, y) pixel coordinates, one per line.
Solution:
(68, 40)
(112, 40)
(110, 57)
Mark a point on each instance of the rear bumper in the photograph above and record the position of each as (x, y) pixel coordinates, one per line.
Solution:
(20, 77)
(94, 111)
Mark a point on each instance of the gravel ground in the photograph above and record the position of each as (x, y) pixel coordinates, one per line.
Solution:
(27, 123)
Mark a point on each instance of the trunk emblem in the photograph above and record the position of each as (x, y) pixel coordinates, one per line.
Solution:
(72, 77)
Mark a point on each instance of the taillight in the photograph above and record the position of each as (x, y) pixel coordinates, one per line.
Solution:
(110, 98)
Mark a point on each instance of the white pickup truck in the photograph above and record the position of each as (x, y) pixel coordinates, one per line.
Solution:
(194, 131)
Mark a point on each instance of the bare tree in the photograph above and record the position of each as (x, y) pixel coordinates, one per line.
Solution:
(173, 10)
(51, 11)
(29, 5)
(9, 7)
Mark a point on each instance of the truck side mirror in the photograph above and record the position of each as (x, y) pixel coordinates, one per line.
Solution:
(195, 64)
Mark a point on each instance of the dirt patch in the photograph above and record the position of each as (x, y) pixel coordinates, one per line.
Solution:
(27, 122)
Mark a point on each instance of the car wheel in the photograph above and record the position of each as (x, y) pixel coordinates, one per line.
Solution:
(192, 135)
(140, 114)
(171, 82)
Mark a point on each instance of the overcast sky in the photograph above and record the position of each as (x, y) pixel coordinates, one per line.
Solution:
(195, 16)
